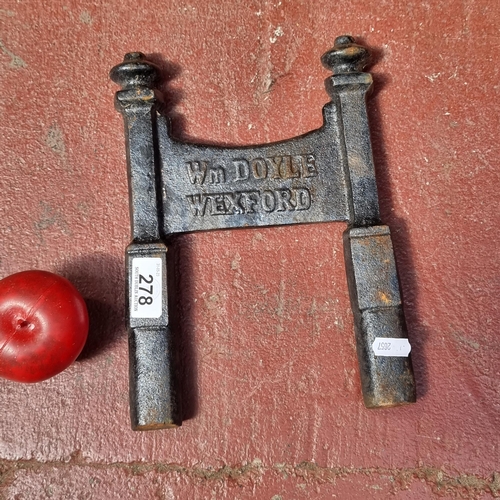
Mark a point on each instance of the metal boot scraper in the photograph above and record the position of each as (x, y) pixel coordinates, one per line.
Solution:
(324, 175)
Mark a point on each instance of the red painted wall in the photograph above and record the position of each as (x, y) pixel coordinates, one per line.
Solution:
(270, 376)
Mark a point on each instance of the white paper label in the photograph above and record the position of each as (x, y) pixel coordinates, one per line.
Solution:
(391, 347)
(146, 288)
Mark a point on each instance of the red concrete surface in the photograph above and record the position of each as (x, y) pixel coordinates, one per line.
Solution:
(270, 377)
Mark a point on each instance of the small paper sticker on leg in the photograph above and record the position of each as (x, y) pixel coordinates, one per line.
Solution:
(391, 347)
(146, 292)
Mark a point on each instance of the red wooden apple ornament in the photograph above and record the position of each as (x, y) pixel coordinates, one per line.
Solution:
(43, 325)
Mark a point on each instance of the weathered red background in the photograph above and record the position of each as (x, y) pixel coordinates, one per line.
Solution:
(270, 376)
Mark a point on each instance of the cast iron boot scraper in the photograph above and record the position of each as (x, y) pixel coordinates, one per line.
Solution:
(324, 175)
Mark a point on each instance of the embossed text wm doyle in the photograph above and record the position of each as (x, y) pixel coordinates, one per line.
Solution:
(258, 180)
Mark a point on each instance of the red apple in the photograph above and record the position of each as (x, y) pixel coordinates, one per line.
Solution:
(43, 325)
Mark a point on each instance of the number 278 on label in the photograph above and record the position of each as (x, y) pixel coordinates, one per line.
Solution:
(146, 289)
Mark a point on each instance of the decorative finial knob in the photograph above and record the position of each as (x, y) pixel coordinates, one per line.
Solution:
(135, 71)
(345, 56)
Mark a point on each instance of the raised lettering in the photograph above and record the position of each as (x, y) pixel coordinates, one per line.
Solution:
(197, 170)
(287, 171)
(217, 204)
(310, 169)
(274, 166)
(268, 201)
(303, 199)
(233, 203)
(250, 202)
(250, 199)
(216, 175)
(259, 168)
(242, 170)
(198, 203)
(297, 165)
(283, 201)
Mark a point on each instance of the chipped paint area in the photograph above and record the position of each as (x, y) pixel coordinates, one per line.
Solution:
(277, 33)
(55, 139)
(15, 61)
(86, 18)
(277, 482)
